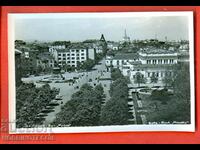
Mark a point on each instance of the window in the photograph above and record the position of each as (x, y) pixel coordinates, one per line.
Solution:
(72, 50)
(59, 58)
(82, 50)
(68, 54)
(149, 74)
(64, 55)
(73, 58)
(68, 62)
(117, 62)
(77, 54)
(72, 54)
(171, 61)
(165, 61)
(64, 58)
(59, 54)
(157, 74)
(73, 61)
(82, 57)
(77, 50)
(68, 58)
(82, 54)
(77, 57)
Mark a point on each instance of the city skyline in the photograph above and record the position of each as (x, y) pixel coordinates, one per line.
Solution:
(80, 29)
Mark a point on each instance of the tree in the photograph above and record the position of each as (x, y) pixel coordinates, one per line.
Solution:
(154, 78)
(88, 64)
(182, 82)
(139, 79)
(83, 109)
(116, 74)
(168, 81)
(160, 95)
(115, 112)
(99, 91)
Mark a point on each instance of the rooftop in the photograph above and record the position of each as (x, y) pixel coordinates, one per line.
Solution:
(162, 66)
(17, 51)
(45, 56)
(157, 51)
(126, 56)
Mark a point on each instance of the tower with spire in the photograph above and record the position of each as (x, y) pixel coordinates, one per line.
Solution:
(103, 43)
(126, 38)
(102, 39)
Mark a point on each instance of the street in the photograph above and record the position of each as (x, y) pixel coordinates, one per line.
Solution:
(67, 89)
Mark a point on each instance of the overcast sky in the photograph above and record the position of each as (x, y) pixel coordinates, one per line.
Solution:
(79, 29)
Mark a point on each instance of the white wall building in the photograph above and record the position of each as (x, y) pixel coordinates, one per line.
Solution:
(148, 63)
(72, 55)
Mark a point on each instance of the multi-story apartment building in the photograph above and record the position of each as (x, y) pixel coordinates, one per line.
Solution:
(72, 55)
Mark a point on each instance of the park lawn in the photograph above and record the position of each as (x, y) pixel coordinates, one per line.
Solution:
(165, 113)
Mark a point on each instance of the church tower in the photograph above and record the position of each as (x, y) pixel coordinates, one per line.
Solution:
(102, 39)
(103, 43)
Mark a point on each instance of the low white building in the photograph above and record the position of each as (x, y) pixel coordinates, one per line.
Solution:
(120, 59)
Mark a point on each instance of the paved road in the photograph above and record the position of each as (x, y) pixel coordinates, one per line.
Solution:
(67, 90)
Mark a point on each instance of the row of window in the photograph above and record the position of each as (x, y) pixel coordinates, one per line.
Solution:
(82, 54)
(71, 62)
(68, 58)
(73, 50)
(156, 74)
(159, 74)
(160, 61)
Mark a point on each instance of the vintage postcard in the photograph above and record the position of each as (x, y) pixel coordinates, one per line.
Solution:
(101, 72)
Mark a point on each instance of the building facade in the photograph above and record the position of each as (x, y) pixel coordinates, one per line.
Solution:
(150, 63)
(72, 55)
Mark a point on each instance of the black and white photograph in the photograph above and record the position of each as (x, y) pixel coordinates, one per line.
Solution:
(101, 72)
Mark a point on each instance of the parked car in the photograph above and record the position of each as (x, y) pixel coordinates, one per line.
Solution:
(58, 97)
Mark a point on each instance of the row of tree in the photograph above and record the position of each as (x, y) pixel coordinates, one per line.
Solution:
(30, 101)
(83, 109)
(115, 112)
